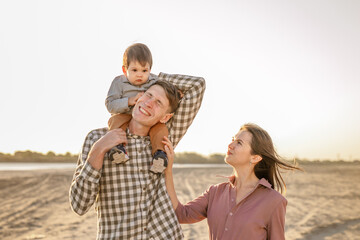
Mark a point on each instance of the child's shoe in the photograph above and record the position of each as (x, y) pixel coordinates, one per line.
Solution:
(118, 154)
(160, 162)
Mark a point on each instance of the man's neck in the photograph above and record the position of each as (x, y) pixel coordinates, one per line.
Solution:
(138, 129)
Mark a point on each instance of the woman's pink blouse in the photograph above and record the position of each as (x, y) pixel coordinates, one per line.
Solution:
(260, 215)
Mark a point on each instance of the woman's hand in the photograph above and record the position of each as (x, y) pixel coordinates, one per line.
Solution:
(169, 149)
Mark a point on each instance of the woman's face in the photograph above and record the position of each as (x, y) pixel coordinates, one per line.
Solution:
(239, 150)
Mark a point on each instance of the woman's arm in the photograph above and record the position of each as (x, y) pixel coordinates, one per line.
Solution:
(169, 180)
(276, 228)
(193, 211)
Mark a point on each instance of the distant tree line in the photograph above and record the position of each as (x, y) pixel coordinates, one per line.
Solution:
(183, 157)
(30, 156)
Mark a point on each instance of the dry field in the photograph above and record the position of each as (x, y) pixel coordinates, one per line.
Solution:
(323, 203)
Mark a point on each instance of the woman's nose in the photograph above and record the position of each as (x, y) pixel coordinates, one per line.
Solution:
(231, 145)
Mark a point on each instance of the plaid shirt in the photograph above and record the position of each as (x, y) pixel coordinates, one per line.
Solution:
(131, 202)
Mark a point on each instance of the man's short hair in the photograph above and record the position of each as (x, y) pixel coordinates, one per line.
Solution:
(172, 94)
(137, 52)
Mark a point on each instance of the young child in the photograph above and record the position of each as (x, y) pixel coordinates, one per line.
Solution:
(124, 91)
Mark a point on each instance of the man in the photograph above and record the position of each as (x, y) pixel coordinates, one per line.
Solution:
(131, 201)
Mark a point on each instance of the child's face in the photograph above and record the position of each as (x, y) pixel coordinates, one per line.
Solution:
(136, 73)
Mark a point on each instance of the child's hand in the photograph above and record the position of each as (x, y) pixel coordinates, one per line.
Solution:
(132, 100)
(169, 149)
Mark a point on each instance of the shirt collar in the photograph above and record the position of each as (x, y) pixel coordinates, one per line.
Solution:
(262, 182)
(130, 135)
(152, 77)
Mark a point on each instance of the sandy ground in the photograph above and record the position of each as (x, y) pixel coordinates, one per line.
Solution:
(324, 203)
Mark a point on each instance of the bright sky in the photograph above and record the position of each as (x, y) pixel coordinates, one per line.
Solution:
(292, 67)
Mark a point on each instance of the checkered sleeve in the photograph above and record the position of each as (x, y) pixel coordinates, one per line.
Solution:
(85, 185)
(193, 89)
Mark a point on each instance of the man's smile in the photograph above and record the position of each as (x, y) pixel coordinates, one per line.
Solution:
(143, 111)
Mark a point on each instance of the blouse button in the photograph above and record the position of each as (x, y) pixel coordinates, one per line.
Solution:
(231, 214)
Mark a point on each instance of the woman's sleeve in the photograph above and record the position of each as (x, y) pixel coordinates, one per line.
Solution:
(195, 210)
(276, 228)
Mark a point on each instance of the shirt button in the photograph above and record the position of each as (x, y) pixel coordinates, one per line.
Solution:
(226, 229)
(231, 214)
(145, 228)
(144, 188)
(232, 199)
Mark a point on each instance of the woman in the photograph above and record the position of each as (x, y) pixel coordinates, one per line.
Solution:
(247, 206)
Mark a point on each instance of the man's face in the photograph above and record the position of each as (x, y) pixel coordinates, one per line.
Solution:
(136, 73)
(152, 107)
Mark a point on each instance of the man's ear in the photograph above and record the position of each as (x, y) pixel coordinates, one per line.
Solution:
(166, 117)
(124, 70)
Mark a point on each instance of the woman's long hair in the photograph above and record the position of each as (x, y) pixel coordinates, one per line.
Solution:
(271, 163)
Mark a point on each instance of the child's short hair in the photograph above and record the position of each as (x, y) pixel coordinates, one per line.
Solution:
(137, 52)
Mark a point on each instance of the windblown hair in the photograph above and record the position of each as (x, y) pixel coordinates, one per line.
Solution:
(271, 164)
(172, 94)
(137, 52)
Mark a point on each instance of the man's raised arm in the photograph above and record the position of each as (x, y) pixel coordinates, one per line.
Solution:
(193, 89)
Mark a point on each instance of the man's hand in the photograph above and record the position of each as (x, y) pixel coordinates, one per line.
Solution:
(132, 100)
(103, 145)
(112, 138)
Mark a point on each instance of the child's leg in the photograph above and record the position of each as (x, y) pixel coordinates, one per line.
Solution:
(118, 153)
(160, 160)
(119, 121)
(157, 133)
